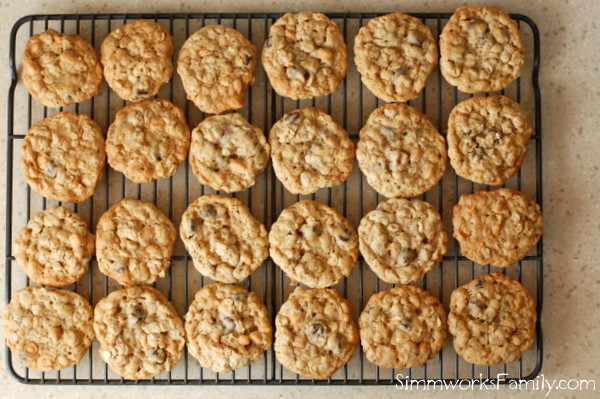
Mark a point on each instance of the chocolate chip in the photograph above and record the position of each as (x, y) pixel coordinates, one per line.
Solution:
(247, 60)
(315, 329)
(239, 297)
(159, 356)
(189, 227)
(50, 169)
(228, 324)
(209, 211)
(406, 256)
(346, 236)
(476, 152)
(156, 156)
(139, 93)
(139, 313)
(292, 118)
(415, 38)
(298, 73)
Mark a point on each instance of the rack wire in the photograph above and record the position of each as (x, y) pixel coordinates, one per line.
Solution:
(350, 106)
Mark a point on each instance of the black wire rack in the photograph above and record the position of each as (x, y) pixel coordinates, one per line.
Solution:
(350, 106)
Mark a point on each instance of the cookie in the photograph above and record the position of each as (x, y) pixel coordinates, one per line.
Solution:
(224, 240)
(63, 157)
(313, 244)
(140, 333)
(487, 139)
(310, 151)
(305, 55)
(496, 227)
(134, 242)
(55, 248)
(492, 320)
(216, 65)
(137, 59)
(401, 240)
(402, 327)
(314, 332)
(395, 53)
(400, 152)
(60, 70)
(481, 50)
(228, 153)
(227, 327)
(148, 140)
(48, 329)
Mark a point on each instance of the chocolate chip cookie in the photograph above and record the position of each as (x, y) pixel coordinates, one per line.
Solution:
(227, 327)
(314, 332)
(48, 329)
(497, 227)
(492, 319)
(224, 240)
(305, 55)
(395, 53)
(140, 333)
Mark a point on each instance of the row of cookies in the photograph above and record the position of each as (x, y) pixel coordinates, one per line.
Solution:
(492, 320)
(304, 56)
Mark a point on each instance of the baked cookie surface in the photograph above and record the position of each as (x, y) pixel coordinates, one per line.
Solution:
(402, 327)
(216, 65)
(227, 327)
(481, 50)
(310, 151)
(224, 240)
(401, 239)
(148, 140)
(400, 152)
(228, 153)
(313, 244)
(140, 333)
(134, 242)
(60, 70)
(136, 59)
(488, 138)
(395, 53)
(63, 157)
(492, 319)
(48, 329)
(497, 227)
(55, 248)
(314, 332)
(305, 55)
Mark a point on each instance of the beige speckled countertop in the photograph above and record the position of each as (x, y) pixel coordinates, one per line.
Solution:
(570, 85)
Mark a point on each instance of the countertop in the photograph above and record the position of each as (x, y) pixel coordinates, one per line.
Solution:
(570, 85)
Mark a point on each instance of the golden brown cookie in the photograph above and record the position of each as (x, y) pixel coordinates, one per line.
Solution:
(55, 248)
(140, 333)
(228, 153)
(227, 327)
(48, 329)
(402, 327)
(487, 138)
(400, 152)
(305, 55)
(497, 227)
(481, 49)
(63, 157)
(492, 319)
(395, 53)
(216, 65)
(315, 334)
(148, 140)
(137, 59)
(59, 70)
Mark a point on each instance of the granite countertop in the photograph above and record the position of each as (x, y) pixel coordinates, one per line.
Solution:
(570, 85)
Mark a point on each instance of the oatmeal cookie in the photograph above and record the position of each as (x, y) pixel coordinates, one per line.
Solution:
(60, 70)
(224, 240)
(134, 242)
(227, 327)
(48, 329)
(497, 227)
(63, 157)
(140, 333)
(492, 319)
(395, 53)
(314, 332)
(216, 65)
(400, 152)
(228, 153)
(481, 50)
(137, 59)
(305, 55)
